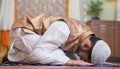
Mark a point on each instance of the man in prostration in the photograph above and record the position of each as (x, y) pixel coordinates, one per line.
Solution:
(47, 38)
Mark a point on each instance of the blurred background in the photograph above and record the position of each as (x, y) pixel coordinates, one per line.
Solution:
(102, 16)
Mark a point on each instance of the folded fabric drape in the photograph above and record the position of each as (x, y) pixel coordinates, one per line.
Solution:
(5, 41)
(7, 14)
(6, 20)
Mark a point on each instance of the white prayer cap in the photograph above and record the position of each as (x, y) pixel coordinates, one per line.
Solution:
(100, 52)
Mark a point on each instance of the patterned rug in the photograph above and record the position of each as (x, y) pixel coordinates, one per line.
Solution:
(38, 64)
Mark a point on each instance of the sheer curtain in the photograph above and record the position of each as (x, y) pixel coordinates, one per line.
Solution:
(7, 17)
(74, 9)
(6, 20)
(77, 9)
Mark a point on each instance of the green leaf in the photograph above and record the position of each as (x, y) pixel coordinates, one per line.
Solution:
(95, 8)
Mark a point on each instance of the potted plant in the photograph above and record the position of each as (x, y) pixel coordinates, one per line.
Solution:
(94, 9)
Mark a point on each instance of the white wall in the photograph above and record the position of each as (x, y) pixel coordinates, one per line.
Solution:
(110, 11)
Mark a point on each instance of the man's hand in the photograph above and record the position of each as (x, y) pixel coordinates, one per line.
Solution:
(78, 62)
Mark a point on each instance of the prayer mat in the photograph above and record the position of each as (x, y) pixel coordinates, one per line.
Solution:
(38, 64)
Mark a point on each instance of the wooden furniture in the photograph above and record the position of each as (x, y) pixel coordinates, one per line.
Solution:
(54, 67)
(110, 32)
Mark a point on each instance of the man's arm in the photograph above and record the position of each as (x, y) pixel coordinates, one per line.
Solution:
(47, 50)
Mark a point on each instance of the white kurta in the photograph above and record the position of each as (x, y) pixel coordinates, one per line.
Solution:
(40, 49)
